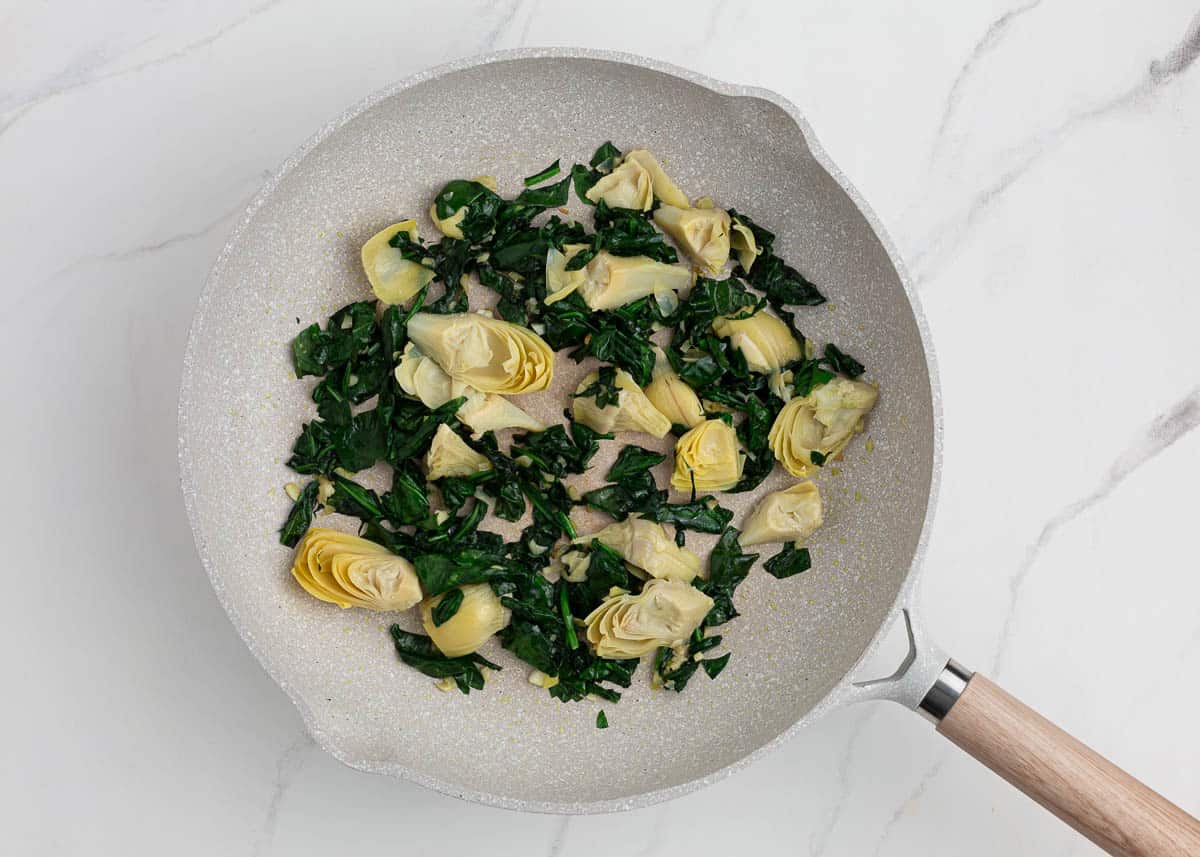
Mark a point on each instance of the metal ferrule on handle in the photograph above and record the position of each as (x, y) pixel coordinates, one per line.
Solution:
(945, 692)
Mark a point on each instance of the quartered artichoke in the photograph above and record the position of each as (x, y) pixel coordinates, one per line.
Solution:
(708, 458)
(665, 613)
(420, 376)
(765, 341)
(632, 411)
(702, 233)
(823, 422)
(491, 355)
(628, 186)
(478, 617)
(352, 572)
(784, 516)
(673, 398)
(612, 281)
(646, 546)
(393, 278)
(449, 455)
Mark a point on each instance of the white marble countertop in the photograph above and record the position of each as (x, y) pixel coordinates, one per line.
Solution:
(1035, 162)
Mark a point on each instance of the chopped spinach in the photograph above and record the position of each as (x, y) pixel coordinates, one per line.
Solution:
(447, 607)
(439, 573)
(841, 362)
(714, 666)
(727, 568)
(418, 652)
(703, 515)
(605, 158)
(791, 560)
(300, 518)
(633, 460)
(548, 173)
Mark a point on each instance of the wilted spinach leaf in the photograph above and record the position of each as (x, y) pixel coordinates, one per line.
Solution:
(703, 515)
(841, 362)
(445, 609)
(418, 652)
(548, 173)
(441, 572)
(300, 518)
(727, 568)
(791, 560)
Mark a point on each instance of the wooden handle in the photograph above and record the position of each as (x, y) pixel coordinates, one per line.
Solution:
(1084, 789)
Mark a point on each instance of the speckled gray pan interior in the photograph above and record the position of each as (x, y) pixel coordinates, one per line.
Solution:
(295, 256)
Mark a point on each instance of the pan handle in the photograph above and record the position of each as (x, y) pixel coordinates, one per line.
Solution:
(1081, 787)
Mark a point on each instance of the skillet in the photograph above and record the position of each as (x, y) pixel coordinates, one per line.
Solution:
(799, 644)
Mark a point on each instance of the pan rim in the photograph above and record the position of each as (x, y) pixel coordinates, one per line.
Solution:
(841, 694)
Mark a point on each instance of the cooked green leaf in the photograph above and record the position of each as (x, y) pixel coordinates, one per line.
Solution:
(703, 515)
(548, 196)
(727, 568)
(441, 572)
(605, 157)
(791, 560)
(300, 518)
(445, 609)
(548, 173)
(842, 362)
(631, 460)
(713, 667)
(418, 652)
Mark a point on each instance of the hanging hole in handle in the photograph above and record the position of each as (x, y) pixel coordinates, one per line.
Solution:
(919, 663)
(886, 652)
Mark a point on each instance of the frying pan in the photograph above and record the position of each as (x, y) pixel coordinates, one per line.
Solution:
(799, 643)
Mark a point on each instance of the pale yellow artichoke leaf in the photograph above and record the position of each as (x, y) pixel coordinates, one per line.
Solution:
(393, 278)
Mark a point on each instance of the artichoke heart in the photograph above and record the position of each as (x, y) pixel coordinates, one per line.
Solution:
(631, 412)
(350, 571)
(478, 617)
(784, 516)
(665, 613)
(822, 422)
(766, 342)
(628, 186)
(393, 278)
(419, 376)
(490, 355)
(646, 545)
(743, 242)
(613, 281)
(449, 455)
(559, 281)
(708, 458)
(702, 233)
(674, 399)
(665, 189)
